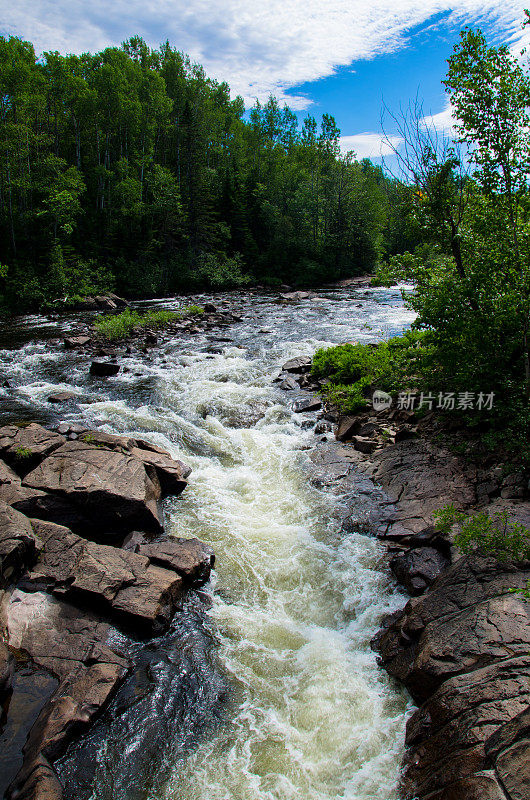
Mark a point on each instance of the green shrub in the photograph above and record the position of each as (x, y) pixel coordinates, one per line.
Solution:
(118, 326)
(492, 535)
(23, 453)
(351, 369)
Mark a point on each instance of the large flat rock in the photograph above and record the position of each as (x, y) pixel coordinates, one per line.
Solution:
(108, 486)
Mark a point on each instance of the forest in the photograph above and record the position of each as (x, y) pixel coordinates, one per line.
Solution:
(131, 170)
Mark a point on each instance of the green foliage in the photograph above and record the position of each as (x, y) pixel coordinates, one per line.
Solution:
(221, 272)
(524, 591)
(23, 453)
(492, 535)
(118, 326)
(352, 369)
(133, 160)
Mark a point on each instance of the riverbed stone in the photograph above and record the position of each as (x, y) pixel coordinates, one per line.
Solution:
(104, 369)
(73, 342)
(114, 489)
(307, 404)
(298, 365)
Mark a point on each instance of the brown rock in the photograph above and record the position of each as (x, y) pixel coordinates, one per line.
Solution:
(363, 444)
(122, 582)
(61, 397)
(346, 428)
(25, 447)
(73, 647)
(113, 489)
(18, 544)
(190, 558)
(72, 342)
(171, 473)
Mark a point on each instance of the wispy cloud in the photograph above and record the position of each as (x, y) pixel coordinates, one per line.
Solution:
(261, 47)
(370, 145)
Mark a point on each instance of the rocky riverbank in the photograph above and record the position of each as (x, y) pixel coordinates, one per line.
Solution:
(461, 646)
(82, 553)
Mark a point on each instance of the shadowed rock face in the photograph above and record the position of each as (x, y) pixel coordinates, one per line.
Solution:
(463, 651)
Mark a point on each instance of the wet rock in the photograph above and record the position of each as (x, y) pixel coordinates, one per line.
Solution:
(210, 308)
(104, 369)
(323, 426)
(110, 487)
(289, 384)
(418, 568)
(123, 583)
(61, 397)
(27, 446)
(295, 297)
(298, 365)
(307, 404)
(19, 546)
(73, 342)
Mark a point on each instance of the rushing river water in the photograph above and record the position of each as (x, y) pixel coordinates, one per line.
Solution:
(276, 695)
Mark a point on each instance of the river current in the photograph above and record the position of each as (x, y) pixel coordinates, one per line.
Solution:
(266, 687)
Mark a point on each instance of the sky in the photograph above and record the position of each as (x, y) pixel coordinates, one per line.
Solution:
(343, 57)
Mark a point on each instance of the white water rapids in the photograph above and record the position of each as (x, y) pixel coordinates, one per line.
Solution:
(295, 600)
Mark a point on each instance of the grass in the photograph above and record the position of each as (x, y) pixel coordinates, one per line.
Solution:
(118, 326)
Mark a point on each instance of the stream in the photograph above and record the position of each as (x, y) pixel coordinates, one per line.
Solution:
(265, 688)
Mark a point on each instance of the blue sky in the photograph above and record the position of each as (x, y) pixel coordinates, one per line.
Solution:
(337, 56)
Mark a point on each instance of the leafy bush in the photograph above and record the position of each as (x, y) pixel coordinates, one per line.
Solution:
(351, 369)
(220, 271)
(492, 535)
(117, 326)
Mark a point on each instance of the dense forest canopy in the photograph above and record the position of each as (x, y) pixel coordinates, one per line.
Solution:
(132, 169)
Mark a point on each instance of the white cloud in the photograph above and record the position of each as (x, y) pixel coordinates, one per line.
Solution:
(258, 46)
(370, 145)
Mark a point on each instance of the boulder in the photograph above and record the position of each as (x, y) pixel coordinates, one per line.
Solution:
(289, 384)
(27, 446)
(346, 428)
(73, 342)
(295, 297)
(123, 583)
(298, 365)
(104, 301)
(190, 558)
(416, 569)
(364, 445)
(113, 489)
(19, 546)
(104, 369)
(61, 397)
(210, 308)
(307, 404)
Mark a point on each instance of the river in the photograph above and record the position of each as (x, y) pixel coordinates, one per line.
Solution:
(266, 687)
